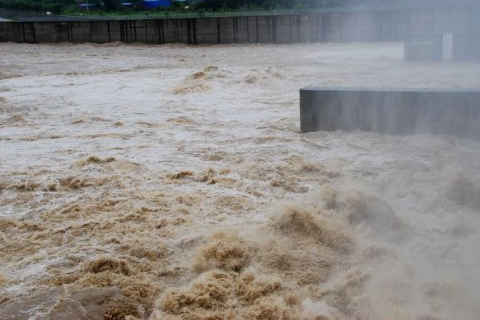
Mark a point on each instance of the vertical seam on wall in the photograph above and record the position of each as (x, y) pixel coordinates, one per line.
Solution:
(218, 30)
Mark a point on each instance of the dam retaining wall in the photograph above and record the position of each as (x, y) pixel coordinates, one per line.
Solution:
(337, 25)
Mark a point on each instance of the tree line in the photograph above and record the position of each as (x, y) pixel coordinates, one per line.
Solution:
(268, 4)
(55, 7)
(63, 6)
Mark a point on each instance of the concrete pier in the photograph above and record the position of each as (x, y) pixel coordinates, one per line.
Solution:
(464, 46)
(424, 47)
(394, 111)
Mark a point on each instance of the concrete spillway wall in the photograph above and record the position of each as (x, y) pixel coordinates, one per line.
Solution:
(395, 111)
(367, 24)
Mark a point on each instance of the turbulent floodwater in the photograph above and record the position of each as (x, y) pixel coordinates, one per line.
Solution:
(172, 182)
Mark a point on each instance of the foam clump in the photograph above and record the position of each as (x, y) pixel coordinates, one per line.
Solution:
(121, 312)
(224, 251)
(135, 288)
(297, 221)
(25, 186)
(192, 86)
(210, 291)
(180, 175)
(94, 160)
(228, 295)
(196, 82)
(148, 253)
(271, 308)
(7, 223)
(108, 263)
(204, 74)
(251, 287)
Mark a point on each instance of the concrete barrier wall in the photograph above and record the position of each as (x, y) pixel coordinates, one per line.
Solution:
(395, 111)
(359, 25)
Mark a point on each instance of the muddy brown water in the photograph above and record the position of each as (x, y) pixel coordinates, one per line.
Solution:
(172, 182)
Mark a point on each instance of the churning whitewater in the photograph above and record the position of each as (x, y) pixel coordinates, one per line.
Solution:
(172, 182)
